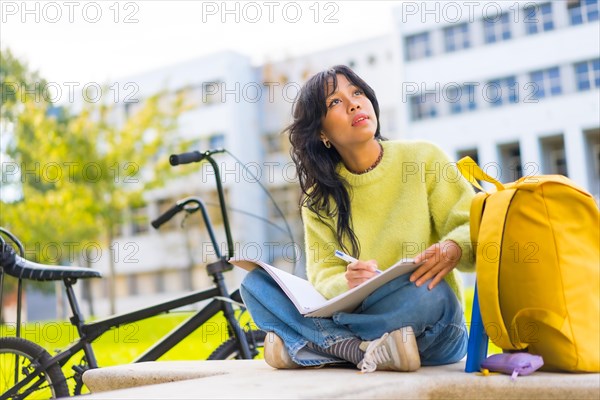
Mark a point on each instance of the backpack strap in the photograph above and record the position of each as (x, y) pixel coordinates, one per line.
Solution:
(488, 253)
(472, 172)
(477, 207)
(488, 269)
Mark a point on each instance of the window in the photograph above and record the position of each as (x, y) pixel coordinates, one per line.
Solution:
(595, 150)
(510, 156)
(423, 106)
(502, 91)
(592, 145)
(546, 83)
(287, 198)
(582, 11)
(417, 46)
(538, 18)
(461, 99)
(496, 29)
(105, 287)
(274, 143)
(139, 220)
(132, 285)
(554, 157)
(456, 38)
(587, 74)
(159, 282)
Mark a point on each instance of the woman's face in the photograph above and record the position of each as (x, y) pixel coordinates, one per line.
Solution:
(350, 115)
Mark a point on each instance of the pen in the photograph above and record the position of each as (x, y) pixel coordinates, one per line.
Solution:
(350, 259)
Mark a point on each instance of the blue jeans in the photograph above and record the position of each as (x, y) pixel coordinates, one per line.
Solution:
(436, 317)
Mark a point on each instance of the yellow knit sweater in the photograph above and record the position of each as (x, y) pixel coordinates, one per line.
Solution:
(414, 198)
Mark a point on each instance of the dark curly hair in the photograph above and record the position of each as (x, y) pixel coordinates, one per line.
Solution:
(316, 165)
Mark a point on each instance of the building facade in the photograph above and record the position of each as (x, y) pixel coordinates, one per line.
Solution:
(514, 85)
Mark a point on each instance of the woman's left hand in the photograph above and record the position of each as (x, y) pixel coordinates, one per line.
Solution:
(440, 259)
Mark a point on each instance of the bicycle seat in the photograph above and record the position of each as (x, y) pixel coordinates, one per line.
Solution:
(19, 267)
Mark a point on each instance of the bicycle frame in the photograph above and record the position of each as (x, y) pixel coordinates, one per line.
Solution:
(88, 332)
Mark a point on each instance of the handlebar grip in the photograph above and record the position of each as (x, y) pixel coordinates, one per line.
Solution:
(185, 158)
(170, 213)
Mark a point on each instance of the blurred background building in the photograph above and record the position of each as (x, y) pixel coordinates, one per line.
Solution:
(515, 86)
(517, 90)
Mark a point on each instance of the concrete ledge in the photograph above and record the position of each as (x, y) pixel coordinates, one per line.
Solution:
(150, 373)
(254, 379)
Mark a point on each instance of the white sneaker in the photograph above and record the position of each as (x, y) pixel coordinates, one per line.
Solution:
(395, 351)
(276, 355)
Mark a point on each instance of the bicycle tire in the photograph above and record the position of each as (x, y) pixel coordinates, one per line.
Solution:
(52, 383)
(229, 350)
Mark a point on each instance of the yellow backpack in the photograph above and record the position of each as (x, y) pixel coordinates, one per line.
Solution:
(537, 259)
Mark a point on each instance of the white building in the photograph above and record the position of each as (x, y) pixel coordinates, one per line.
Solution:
(517, 91)
(512, 84)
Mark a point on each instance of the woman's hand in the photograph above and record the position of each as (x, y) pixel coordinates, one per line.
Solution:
(360, 271)
(439, 259)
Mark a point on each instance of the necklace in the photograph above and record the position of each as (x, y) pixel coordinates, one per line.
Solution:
(376, 163)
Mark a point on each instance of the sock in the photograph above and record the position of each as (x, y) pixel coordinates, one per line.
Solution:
(348, 350)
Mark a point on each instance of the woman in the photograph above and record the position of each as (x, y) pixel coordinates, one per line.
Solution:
(379, 201)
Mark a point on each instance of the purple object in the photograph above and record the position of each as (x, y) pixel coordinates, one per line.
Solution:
(513, 364)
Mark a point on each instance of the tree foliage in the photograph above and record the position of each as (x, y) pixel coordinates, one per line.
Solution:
(69, 174)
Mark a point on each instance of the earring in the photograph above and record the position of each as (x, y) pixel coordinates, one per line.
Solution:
(327, 143)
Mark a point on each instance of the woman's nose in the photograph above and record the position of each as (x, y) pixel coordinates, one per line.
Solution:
(353, 105)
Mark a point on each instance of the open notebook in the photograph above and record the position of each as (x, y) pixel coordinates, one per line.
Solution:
(310, 302)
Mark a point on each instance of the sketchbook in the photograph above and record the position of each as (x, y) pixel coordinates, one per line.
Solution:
(310, 302)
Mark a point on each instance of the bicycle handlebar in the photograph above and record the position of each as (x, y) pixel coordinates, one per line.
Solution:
(170, 213)
(192, 156)
(196, 156)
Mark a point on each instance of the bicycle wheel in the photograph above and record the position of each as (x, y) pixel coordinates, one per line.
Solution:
(18, 359)
(228, 350)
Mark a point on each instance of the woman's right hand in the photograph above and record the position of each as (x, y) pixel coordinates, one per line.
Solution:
(360, 271)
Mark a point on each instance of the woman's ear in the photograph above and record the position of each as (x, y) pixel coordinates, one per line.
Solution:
(325, 141)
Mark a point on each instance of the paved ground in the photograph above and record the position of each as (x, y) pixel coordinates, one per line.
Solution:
(254, 379)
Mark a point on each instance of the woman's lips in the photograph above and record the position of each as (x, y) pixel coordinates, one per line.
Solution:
(360, 119)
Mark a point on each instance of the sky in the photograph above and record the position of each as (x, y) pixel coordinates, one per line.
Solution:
(100, 41)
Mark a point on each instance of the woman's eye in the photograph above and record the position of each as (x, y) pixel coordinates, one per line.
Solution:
(333, 102)
(358, 91)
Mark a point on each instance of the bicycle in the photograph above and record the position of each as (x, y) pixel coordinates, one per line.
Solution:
(33, 371)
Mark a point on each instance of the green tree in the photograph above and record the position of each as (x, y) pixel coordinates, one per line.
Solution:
(72, 174)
